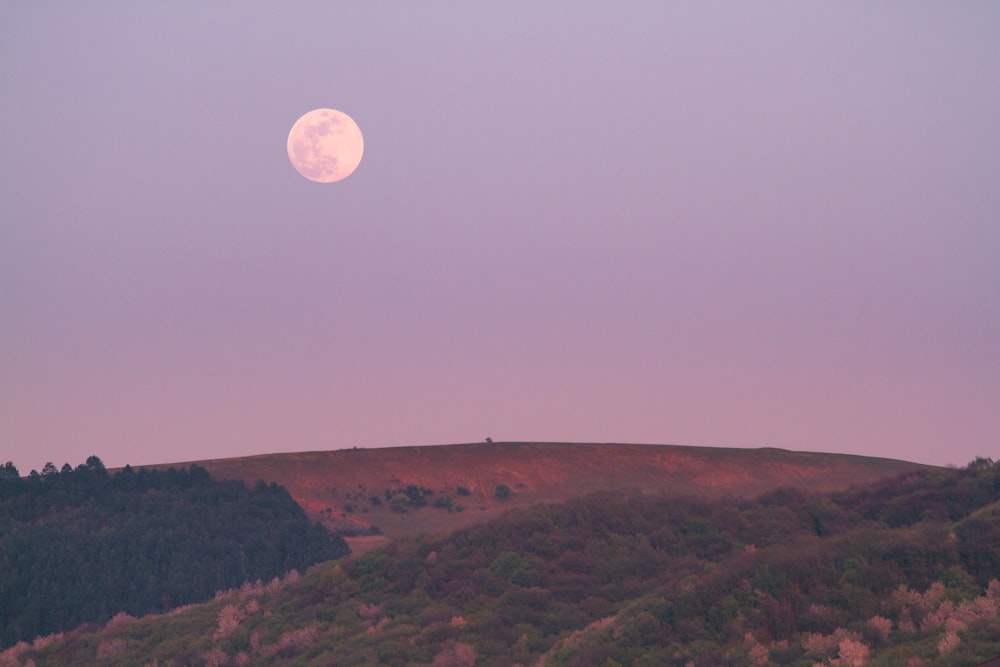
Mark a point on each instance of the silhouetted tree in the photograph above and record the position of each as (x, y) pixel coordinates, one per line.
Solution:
(94, 464)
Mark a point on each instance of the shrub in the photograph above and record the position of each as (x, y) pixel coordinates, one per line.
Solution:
(400, 504)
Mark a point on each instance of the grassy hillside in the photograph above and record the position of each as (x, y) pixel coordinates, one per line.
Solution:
(338, 487)
(899, 573)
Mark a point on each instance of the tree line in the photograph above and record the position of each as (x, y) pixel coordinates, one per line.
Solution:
(79, 545)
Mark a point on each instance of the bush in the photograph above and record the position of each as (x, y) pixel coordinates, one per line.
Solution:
(400, 504)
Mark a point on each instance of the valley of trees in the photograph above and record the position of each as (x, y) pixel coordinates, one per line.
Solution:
(902, 573)
(79, 545)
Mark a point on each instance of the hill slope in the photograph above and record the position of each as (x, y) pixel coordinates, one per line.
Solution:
(898, 573)
(352, 489)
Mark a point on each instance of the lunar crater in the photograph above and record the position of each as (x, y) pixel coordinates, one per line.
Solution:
(325, 145)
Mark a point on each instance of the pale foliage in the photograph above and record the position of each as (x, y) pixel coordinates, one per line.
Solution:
(914, 606)
(880, 627)
(110, 648)
(293, 641)
(252, 590)
(949, 642)
(577, 636)
(216, 658)
(369, 610)
(120, 621)
(455, 654)
(47, 640)
(822, 645)
(757, 652)
(273, 586)
(759, 655)
(377, 626)
(936, 618)
(180, 610)
(602, 626)
(370, 613)
(993, 591)
(934, 613)
(12, 656)
(230, 618)
(851, 653)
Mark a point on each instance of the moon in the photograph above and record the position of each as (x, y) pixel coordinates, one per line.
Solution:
(325, 145)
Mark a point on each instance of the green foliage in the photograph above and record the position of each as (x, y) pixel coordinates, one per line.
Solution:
(502, 492)
(508, 564)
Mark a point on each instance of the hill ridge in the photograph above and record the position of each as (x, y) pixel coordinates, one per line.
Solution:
(351, 489)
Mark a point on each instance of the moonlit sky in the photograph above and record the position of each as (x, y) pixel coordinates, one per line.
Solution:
(707, 223)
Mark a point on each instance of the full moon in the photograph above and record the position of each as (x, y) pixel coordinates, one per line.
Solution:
(325, 145)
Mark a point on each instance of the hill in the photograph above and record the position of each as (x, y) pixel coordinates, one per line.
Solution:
(902, 572)
(441, 488)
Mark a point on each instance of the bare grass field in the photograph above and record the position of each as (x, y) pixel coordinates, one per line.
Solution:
(452, 486)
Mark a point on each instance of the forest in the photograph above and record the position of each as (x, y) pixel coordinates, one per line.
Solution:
(80, 545)
(898, 573)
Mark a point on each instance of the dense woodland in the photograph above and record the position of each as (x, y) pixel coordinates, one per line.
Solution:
(79, 545)
(902, 573)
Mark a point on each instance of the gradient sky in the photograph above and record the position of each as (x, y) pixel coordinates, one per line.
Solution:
(708, 223)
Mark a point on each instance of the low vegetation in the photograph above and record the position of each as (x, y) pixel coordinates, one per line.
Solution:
(901, 573)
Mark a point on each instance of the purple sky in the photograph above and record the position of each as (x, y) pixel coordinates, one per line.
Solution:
(708, 223)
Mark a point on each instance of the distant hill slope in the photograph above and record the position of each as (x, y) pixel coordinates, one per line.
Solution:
(352, 489)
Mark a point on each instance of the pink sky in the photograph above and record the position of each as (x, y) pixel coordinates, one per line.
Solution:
(681, 223)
